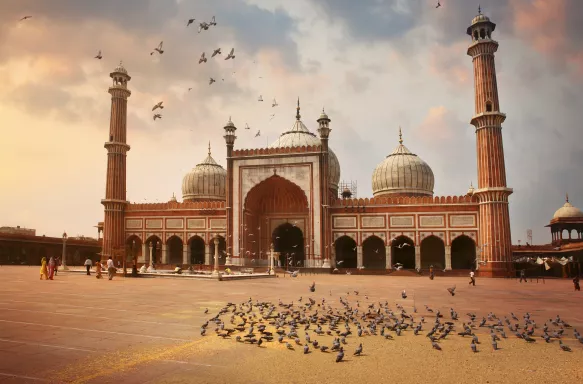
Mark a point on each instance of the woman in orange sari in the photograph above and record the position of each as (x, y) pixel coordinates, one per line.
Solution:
(98, 269)
(43, 269)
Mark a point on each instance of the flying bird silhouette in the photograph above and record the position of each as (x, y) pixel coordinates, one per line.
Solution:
(216, 52)
(202, 59)
(157, 116)
(25, 18)
(98, 55)
(159, 105)
(158, 49)
(190, 21)
(231, 54)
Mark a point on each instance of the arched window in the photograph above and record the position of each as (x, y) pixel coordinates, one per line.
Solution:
(488, 106)
(483, 33)
(476, 34)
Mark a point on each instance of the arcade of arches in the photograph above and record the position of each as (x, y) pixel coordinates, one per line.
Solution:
(274, 200)
(432, 252)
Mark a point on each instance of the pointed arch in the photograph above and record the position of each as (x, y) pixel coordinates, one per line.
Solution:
(134, 247)
(463, 253)
(403, 252)
(432, 252)
(374, 253)
(197, 250)
(288, 241)
(175, 248)
(222, 250)
(346, 255)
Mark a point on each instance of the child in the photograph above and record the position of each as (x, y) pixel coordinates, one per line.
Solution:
(43, 269)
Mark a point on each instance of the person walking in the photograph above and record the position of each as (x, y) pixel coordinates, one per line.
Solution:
(110, 268)
(576, 283)
(98, 269)
(522, 276)
(472, 278)
(88, 264)
(43, 269)
(57, 263)
(51, 268)
(431, 272)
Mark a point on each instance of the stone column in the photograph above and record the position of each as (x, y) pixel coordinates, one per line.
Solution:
(64, 256)
(164, 254)
(149, 257)
(359, 256)
(271, 260)
(448, 257)
(389, 257)
(185, 253)
(216, 268)
(207, 254)
(417, 257)
(333, 257)
(142, 258)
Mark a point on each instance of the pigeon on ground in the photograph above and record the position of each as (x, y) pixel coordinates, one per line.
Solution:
(451, 290)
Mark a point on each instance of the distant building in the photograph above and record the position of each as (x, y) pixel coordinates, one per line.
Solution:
(18, 231)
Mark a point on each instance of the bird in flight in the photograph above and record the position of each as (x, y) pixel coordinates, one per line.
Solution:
(190, 21)
(211, 81)
(159, 105)
(272, 117)
(403, 245)
(438, 4)
(212, 22)
(258, 133)
(247, 126)
(202, 59)
(274, 104)
(189, 89)
(216, 52)
(158, 49)
(25, 18)
(231, 54)
(99, 55)
(157, 116)
(260, 98)
(203, 26)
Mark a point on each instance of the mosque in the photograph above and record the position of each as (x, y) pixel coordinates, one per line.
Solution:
(288, 196)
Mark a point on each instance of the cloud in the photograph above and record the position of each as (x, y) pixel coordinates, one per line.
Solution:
(356, 82)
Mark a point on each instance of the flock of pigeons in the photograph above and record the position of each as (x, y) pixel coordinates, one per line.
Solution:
(319, 326)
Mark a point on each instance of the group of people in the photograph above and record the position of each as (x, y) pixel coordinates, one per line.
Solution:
(472, 275)
(111, 270)
(49, 269)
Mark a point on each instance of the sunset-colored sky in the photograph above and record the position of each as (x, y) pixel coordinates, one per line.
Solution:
(374, 65)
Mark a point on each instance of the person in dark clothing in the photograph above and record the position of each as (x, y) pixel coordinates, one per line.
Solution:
(576, 283)
(523, 276)
(431, 272)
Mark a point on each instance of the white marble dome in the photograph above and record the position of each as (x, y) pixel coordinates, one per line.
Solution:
(402, 173)
(299, 135)
(206, 181)
(568, 211)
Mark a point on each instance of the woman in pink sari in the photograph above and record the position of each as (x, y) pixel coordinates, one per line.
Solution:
(51, 267)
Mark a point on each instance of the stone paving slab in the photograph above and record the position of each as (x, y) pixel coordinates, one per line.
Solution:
(80, 329)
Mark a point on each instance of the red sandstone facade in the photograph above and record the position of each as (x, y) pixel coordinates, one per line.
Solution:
(287, 195)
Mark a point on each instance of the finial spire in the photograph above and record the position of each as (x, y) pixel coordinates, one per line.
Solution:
(298, 116)
(567, 197)
(209, 147)
(479, 9)
(400, 136)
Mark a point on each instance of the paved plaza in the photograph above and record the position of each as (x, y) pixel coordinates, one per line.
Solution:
(83, 330)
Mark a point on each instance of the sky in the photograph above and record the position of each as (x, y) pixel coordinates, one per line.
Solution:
(374, 65)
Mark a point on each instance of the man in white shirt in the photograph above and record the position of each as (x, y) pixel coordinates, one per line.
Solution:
(472, 278)
(110, 268)
(88, 264)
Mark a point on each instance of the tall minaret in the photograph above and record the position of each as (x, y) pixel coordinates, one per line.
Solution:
(492, 193)
(115, 189)
(230, 138)
(324, 131)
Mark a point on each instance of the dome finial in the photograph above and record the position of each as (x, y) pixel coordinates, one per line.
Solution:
(298, 116)
(567, 197)
(209, 147)
(479, 9)
(400, 136)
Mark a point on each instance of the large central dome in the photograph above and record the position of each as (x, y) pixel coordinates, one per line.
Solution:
(204, 182)
(299, 135)
(402, 173)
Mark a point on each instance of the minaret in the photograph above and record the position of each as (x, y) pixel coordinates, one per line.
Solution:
(492, 192)
(230, 138)
(324, 131)
(115, 187)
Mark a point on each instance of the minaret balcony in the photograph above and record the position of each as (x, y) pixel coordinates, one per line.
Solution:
(488, 120)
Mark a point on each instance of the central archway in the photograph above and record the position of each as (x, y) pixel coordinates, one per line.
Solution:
(274, 200)
(197, 251)
(288, 240)
(463, 253)
(432, 252)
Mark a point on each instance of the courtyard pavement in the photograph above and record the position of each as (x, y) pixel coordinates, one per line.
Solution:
(83, 330)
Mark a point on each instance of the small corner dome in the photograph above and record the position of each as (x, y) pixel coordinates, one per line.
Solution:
(568, 211)
(402, 173)
(120, 69)
(480, 18)
(206, 181)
